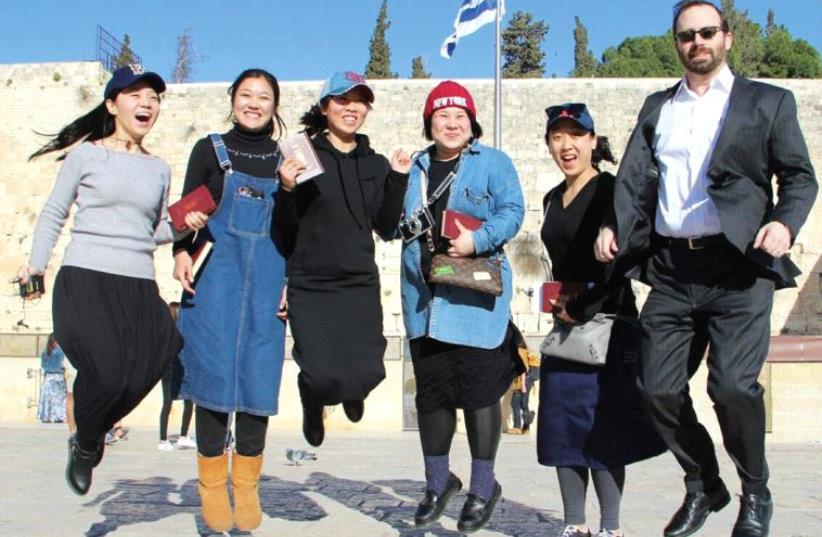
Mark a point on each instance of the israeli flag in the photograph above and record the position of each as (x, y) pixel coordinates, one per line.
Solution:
(472, 15)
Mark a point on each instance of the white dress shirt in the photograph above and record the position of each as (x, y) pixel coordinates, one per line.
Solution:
(686, 134)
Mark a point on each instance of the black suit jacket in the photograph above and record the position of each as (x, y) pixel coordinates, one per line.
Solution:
(760, 138)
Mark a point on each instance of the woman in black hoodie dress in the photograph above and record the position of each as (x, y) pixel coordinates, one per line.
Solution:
(333, 296)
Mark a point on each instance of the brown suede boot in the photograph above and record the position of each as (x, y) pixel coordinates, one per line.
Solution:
(245, 476)
(212, 473)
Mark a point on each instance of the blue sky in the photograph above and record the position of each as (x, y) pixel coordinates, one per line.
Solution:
(309, 39)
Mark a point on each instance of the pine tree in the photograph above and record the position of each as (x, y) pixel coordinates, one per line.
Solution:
(770, 26)
(418, 68)
(585, 65)
(522, 47)
(746, 54)
(125, 56)
(379, 63)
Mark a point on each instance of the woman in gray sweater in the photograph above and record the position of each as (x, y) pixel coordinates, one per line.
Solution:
(107, 312)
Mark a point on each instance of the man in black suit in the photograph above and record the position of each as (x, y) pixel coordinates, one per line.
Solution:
(694, 217)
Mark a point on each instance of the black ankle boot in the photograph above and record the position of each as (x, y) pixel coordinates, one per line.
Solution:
(79, 467)
(313, 427)
(354, 410)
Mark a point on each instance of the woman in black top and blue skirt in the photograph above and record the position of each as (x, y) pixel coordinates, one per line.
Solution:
(591, 421)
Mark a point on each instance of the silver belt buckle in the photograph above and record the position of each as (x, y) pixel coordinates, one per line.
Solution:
(692, 246)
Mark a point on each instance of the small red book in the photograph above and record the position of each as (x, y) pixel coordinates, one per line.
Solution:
(552, 291)
(198, 199)
(449, 223)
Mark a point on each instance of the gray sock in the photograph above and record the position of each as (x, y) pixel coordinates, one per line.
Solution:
(436, 473)
(482, 478)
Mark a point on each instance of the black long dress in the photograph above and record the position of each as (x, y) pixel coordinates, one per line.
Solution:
(591, 416)
(334, 304)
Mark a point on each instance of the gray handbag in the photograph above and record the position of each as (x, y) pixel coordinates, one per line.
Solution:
(585, 343)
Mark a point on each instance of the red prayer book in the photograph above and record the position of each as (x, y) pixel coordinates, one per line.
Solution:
(449, 223)
(198, 199)
(552, 291)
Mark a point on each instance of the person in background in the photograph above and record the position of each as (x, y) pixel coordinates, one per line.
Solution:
(171, 389)
(52, 406)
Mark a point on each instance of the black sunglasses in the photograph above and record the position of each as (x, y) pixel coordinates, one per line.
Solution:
(705, 33)
(574, 110)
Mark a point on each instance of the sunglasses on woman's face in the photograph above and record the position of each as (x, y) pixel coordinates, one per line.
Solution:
(706, 33)
(572, 110)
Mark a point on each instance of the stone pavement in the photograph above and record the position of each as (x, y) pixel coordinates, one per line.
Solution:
(362, 484)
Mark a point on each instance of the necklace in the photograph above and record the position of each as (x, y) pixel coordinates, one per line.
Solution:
(127, 144)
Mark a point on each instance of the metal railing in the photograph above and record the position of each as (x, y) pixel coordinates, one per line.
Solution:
(109, 49)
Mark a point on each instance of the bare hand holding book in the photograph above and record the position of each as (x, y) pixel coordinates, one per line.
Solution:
(299, 147)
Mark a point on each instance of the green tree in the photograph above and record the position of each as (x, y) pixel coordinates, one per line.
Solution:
(784, 57)
(642, 57)
(522, 47)
(418, 68)
(585, 65)
(126, 56)
(746, 53)
(379, 62)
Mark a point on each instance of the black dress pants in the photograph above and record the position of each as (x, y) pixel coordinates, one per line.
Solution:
(709, 297)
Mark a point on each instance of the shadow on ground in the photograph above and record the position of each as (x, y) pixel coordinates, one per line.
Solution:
(391, 502)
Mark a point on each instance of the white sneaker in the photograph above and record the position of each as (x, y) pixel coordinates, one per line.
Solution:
(165, 445)
(186, 442)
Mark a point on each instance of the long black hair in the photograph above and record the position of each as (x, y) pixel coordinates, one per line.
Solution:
(94, 125)
(275, 87)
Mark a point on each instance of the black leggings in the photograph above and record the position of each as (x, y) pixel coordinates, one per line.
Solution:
(573, 484)
(188, 410)
(212, 427)
(482, 425)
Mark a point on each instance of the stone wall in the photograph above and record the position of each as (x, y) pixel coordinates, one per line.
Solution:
(43, 97)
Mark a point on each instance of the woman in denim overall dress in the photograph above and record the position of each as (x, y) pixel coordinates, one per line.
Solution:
(234, 341)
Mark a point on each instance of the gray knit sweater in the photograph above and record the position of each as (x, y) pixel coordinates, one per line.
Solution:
(121, 216)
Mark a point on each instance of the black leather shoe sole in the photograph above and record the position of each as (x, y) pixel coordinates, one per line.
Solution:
(78, 468)
(476, 513)
(431, 508)
(719, 503)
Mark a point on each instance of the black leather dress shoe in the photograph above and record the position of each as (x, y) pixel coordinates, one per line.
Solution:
(694, 510)
(476, 511)
(432, 506)
(354, 410)
(754, 518)
(79, 466)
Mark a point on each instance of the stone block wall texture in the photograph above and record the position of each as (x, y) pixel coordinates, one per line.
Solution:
(41, 98)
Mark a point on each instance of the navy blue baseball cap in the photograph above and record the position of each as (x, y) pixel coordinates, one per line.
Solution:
(344, 81)
(576, 112)
(129, 75)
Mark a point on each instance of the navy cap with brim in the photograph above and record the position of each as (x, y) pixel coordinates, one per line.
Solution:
(130, 75)
(575, 112)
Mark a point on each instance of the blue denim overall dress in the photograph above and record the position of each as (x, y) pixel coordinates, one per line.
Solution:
(234, 342)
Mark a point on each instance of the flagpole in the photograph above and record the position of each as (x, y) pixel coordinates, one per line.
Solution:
(497, 83)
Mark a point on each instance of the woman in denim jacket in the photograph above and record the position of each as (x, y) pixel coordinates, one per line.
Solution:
(461, 343)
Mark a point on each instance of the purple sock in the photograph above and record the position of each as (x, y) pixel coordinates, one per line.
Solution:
(482, 478)
(436, 473)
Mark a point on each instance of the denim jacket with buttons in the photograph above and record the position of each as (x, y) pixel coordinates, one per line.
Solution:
(486, 187)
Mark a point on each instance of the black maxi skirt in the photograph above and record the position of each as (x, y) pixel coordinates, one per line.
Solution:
(338, 337)
(118, 333)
